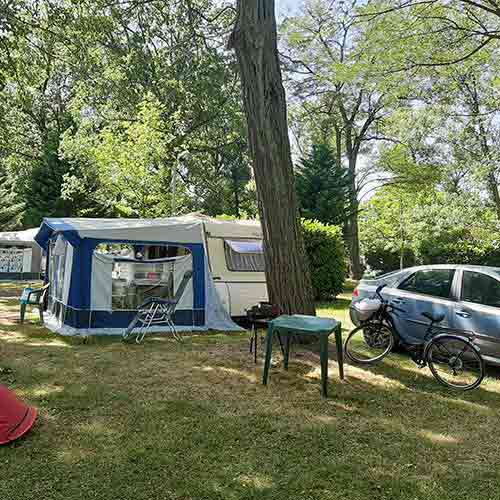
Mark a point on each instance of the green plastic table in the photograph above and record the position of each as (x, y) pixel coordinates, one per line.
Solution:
(303, 325)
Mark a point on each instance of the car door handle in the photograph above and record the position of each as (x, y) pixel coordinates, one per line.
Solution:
(462, 314)
(397, 301)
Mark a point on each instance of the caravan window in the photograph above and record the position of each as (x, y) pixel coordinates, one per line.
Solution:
(244, 255)
(141, 271)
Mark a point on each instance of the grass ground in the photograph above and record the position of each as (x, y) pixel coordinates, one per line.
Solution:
(165, 421)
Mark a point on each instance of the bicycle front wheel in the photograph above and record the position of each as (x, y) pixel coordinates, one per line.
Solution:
(369, 343)
(455, 362)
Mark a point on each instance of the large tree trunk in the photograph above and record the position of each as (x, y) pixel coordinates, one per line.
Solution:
(254, 39)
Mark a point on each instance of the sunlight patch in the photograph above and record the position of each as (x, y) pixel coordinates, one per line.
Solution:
(257, 481)
(23, 338)
(439, 438)
(205, 368)
(370, 377)
(74, 455)
(325, 419)
(97, 429)
(239, 373)
(44, 390)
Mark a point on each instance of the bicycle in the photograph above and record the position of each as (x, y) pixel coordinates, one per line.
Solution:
(453, 358)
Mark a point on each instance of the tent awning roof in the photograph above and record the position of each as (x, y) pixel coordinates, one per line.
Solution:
(182, 229)
(27, 236)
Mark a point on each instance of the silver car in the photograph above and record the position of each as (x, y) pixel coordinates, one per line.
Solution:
(468, 296)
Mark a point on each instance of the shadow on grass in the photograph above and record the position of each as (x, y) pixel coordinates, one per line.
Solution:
(204, 427)
(166, 421)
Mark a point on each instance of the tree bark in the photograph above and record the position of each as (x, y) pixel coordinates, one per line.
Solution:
(254, 39)
(356, 268)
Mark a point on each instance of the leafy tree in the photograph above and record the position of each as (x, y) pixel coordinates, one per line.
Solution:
(165, 54)
(34, 100)
(42, 189)
(74, 83)
(454, 140)
(12, 206)
(323, 187)
(127, 159)
(437, 32)
(428, 227)
(345, 88)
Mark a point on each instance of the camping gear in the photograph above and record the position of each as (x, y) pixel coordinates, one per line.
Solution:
(306, 325)
(102, 270)
(259, 316)
(156, 311)
(20, 256)
(15, 417)
(33, 297)
(366, 308)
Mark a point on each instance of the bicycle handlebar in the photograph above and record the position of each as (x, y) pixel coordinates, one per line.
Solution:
(379, 289)
(384, 301)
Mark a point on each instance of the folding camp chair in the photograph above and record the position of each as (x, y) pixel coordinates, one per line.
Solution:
(156, 311)
(33, 297)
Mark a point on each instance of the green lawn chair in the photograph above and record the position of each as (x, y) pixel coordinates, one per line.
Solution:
(33, 297)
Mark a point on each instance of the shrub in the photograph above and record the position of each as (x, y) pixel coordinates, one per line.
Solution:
(459, 247)
(326, 254)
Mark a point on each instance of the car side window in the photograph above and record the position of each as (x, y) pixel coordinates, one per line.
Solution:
(435, 282)
(480, 289)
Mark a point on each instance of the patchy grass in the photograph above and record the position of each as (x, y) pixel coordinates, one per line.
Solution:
(165, 421)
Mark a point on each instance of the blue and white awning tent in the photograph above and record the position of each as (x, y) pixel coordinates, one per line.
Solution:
(96, 292)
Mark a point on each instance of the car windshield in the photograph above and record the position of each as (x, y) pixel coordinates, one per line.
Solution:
(387, 276)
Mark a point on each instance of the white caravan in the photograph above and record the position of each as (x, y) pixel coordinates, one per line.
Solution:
(236, 262)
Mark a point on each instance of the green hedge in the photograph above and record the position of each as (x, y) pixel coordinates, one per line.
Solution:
(458, 247)
(448, 247)
(327, 260)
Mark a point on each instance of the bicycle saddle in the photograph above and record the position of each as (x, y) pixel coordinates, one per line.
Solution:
(435, 318)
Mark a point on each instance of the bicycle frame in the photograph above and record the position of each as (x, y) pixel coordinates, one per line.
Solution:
(421, 349)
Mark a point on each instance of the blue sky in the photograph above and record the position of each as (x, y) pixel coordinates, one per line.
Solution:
(286, 5)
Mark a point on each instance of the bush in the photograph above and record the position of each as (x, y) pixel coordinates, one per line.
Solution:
(327, 260)
(459, 247)
(445, 247)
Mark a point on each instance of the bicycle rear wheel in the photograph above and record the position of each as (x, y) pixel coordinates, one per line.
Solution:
(369, 343)
(455, 362)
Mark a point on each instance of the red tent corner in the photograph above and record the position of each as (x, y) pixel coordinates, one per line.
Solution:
(15, 417)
